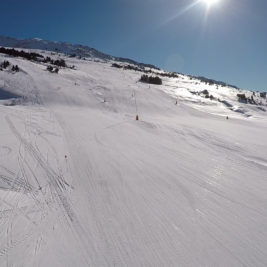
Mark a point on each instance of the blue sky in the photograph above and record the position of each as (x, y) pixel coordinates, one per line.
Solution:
(228, 42)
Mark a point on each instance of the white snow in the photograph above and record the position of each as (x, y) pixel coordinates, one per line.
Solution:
(82, 183)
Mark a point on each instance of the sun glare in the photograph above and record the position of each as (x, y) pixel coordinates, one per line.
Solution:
(211, 2)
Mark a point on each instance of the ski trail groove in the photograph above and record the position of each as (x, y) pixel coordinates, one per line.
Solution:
(57, 187)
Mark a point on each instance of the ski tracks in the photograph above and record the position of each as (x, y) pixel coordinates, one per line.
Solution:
(50, 196)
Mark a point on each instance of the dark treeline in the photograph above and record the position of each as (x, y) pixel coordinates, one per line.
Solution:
(212, 82)
(17, 53)
(58, 62)
(6, 64)
(32, 56)
(135, 68)
(151, 79)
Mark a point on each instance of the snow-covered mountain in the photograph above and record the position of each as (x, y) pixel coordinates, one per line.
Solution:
(63, 47)
(83, 183)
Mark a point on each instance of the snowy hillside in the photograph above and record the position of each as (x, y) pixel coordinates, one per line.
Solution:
(82, 183)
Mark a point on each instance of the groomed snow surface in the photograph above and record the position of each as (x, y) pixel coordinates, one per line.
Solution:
(82, 183)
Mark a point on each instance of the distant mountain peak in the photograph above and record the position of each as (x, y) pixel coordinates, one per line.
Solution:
(37, 39)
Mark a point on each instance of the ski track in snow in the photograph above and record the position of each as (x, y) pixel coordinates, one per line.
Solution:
(82, 183)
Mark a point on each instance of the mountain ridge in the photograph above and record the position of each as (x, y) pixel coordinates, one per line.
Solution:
(66, 48)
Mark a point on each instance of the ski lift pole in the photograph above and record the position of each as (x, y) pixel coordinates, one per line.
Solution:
(137, 117)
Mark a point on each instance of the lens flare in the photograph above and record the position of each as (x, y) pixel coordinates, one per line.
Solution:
(211, 2)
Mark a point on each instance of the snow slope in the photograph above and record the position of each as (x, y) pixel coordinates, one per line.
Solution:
(82, 183)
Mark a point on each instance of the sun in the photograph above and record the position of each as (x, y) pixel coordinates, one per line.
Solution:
(211, 2)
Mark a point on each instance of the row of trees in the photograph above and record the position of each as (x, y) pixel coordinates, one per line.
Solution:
(135, 68)
(151, 79)
(32, 56)
(58, 62)
(15, 68)
(16, 53)
(6, 64)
